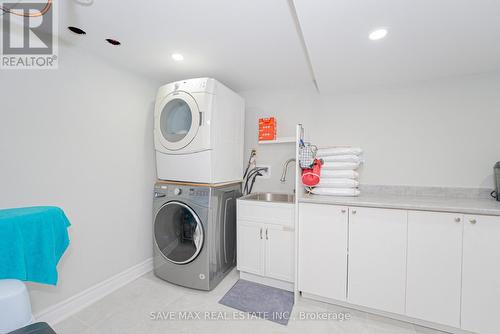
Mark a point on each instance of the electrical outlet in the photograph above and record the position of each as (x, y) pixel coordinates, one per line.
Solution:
(266, 174)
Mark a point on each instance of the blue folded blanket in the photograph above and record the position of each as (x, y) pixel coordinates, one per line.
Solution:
(32, 240)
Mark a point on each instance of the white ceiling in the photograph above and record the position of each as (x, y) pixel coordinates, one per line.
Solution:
(427, 39)
(254, 44)
(246, 44)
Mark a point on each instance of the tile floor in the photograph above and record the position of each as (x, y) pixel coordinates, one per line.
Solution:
(129, 310)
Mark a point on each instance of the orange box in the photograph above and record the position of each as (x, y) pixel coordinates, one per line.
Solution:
(267, 128)
(267, 136)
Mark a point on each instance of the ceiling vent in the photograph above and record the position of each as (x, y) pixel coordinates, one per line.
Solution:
(113, 41)
(77, 30)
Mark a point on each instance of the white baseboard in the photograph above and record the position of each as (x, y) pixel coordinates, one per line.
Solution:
(72, 305)
(394, 316)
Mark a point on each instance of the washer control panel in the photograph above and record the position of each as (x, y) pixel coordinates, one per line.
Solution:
(198, 192)
(199, 195)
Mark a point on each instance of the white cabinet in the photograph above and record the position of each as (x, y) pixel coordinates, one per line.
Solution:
(434, 267)
(377, 258)
(441, 268)
(250, 247)
(266, 250)
(481, 274)
(279, 252)
(265, 239)
(323, 250)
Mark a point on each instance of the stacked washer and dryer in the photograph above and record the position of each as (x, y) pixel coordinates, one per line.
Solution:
(198, 132)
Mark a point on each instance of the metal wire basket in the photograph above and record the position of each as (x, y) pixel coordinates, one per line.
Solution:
(307, 154)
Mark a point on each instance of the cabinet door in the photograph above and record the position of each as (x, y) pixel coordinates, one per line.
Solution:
(377, 258)
(434, 269)
(279, 252)
(250, 245)
(481, 274)
(323, 250)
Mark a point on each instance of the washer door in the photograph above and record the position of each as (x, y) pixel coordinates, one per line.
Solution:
(178, 232)
(178, 120)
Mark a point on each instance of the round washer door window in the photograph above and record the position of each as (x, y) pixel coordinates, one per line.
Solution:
(178, 232)
(178, 120)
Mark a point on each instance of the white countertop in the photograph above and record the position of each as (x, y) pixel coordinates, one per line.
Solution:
(480, 206)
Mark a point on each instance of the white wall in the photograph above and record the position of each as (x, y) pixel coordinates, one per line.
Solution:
(80, 137)
(441, 133)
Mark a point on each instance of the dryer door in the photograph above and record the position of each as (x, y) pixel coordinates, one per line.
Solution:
(178, 232)
(177, 120)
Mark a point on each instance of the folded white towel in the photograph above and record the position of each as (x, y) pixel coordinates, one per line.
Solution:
(338, 183)
(340, 165)
(323, 152)
(341, 158)
(336, 191)
(343, 174)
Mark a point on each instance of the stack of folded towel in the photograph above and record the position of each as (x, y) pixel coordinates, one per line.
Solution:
(338, 173)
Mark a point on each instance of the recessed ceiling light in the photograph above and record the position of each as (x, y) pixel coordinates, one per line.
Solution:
(377, 34)
(177, 57)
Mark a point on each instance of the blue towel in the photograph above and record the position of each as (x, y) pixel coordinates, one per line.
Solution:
(32, 240)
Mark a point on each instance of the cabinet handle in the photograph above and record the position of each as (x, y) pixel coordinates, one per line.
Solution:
(472, 221)
(261, 233)
(457, 220)
(343, 210)
(267, 234)
(354, 211)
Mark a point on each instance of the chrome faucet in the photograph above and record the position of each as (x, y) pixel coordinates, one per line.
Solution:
(285, 167)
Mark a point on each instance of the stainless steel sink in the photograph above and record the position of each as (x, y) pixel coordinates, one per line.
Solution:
(270, 197)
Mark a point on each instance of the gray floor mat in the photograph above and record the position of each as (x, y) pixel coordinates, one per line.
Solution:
(260, 300)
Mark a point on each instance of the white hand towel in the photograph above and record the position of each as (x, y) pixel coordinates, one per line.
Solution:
(336, 191)
(323, 152)
(341, 158)
(342, 174)
(338, 183)
(340, 165)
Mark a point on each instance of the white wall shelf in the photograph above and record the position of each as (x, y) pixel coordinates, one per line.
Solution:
(281, 140)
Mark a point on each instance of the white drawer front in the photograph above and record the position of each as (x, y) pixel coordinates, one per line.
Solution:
(268, 213)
